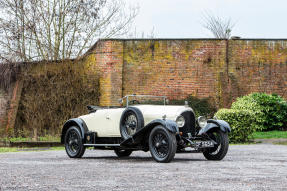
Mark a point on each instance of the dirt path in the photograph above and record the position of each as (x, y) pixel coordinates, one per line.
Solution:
(246, 167)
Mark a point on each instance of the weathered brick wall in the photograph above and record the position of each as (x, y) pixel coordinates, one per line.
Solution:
(107, 59)
(220, 69)
(8, 107)
(175, 68)
(4, 97)
(257, 66)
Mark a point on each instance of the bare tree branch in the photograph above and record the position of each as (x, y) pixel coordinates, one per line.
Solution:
(219, 27)
(59, 29)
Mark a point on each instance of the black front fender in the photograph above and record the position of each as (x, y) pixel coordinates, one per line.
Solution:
(74, 122)
(168, 124)
(213, 124)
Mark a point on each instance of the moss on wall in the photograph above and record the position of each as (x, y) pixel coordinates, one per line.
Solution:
(176, 68)
(258, 66)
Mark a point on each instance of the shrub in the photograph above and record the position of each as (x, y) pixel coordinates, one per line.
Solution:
(240, 122)
(202, 107)
(270, 110)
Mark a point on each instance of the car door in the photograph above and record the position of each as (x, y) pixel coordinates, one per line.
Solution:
(97, 122)
(113, 117)
(105, 122)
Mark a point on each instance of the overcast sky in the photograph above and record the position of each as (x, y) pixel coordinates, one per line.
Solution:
(183, 18)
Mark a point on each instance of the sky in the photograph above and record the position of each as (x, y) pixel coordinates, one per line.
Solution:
(184, 18)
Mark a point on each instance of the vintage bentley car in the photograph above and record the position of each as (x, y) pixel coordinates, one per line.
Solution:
(161, 129)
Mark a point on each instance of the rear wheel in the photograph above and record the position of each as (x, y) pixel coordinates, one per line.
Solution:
(162, 144)
(219, 151)
(123, 153)
(73, 143)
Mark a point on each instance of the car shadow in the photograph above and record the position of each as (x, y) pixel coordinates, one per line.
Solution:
(141, 159)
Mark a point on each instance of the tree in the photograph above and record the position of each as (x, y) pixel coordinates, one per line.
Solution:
(35, 30)
(219, 27)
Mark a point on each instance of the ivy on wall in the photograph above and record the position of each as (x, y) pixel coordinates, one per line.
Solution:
(52, 93)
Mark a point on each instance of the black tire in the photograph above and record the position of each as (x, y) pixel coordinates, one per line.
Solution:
(131, 121)
(220, 150)
(162, 144)
(73, 143)
(123, 153)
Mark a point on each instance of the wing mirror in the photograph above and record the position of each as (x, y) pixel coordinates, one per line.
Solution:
(120, 101)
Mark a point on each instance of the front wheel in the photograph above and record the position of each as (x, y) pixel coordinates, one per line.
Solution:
(219, 151)
(162, 144)
(73, 143)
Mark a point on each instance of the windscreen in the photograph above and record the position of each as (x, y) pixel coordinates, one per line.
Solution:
(145, 100)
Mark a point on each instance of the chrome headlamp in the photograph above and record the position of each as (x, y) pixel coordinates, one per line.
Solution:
(180, 121)
(202, 121)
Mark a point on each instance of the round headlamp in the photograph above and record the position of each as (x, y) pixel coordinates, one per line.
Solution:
(180, 121)
(202, 121)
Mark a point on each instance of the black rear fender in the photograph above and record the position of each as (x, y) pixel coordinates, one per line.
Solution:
(74, 122)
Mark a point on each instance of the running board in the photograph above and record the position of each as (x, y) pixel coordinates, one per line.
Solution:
(102, 145)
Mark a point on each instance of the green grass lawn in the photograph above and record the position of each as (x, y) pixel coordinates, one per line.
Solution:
(270, 135)
(281, 143)
(247, 143)
(21, 139)
(14, 149)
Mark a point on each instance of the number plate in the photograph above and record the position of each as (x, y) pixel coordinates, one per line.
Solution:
(204, 144)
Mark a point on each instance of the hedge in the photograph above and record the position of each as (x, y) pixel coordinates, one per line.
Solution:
(241, 122)
(270, 111)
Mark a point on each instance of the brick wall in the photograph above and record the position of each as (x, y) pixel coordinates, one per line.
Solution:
(173, 68)
(8, 107)
(257, 66)
(220, 69)
(107, 58)
(4, 97)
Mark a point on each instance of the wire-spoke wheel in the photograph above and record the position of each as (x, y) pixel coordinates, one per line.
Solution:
(131, 122)
(219, 151)
(73, 143)
(162, 144)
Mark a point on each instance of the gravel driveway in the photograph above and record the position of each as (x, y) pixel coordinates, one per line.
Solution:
(246, 167)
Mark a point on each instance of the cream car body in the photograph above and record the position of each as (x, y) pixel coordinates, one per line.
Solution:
(106, 122)
(161, 129)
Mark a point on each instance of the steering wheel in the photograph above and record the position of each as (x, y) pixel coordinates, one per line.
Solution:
(134, 102)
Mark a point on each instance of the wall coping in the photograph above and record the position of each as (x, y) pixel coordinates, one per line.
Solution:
(168, 39)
